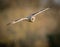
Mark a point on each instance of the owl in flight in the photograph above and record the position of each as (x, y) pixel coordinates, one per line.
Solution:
(30, 18)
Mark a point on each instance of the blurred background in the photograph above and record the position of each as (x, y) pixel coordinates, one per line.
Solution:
(26, 34)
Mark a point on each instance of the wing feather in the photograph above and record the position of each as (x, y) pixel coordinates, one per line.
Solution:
(35, 14)
(16, 21)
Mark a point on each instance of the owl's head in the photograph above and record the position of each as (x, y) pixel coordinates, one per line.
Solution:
(31, 19)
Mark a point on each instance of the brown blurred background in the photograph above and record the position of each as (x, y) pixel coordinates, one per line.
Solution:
(24, 33)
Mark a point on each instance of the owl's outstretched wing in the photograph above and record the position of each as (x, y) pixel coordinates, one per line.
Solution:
(36, 13)
(18, 20)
